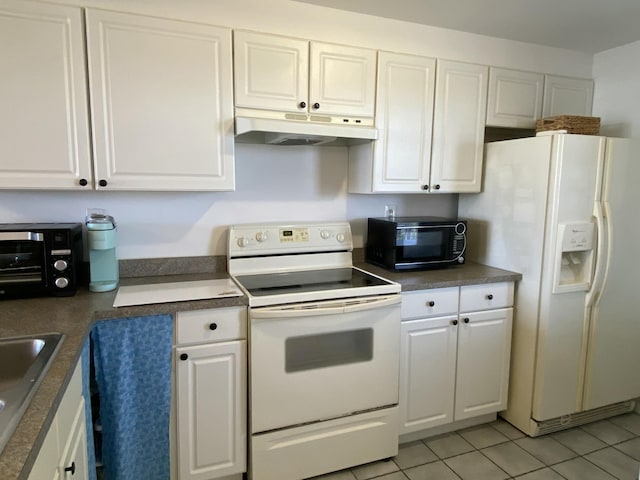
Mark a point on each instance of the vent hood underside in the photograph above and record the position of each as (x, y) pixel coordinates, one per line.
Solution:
(291, 132)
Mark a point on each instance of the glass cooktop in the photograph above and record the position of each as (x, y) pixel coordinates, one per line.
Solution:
(308, 281)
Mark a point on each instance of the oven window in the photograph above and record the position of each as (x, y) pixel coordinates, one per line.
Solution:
(310, 352)
(21, 262)
(415, 244)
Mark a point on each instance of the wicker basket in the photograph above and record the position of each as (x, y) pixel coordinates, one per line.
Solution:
(570, 123)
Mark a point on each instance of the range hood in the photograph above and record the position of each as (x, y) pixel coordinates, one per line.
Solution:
(300, 132)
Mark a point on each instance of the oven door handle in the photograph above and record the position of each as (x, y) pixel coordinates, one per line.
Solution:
(325, 308)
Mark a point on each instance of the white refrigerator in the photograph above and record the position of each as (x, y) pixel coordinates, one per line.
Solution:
(563, 210)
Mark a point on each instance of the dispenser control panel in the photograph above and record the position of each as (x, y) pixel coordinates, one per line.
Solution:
(577, 237)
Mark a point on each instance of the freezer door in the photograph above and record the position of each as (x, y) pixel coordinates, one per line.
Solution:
(562, 330)
(613, 373)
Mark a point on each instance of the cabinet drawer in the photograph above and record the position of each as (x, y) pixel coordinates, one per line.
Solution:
(429, 303)
(213, 325)
(486, 296)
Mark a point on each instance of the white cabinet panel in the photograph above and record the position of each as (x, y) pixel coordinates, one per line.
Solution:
(515, 98)
(484, 349)
(65, 445)
(44, 130)
(458, 128)
(567, 96)
(282, 77)
(165, 123)
(271, 72)
(429, 303)
(342, 80)
(404, 118)
(454, 367)
(427, 372)
(211, 393)
(211, 408)
(486, 296)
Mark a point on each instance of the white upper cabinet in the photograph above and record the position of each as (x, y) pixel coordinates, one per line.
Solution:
(280, 75)
(342, 80)
(515, 98)
(161, 103)
(458, 127)
(271, 72)
(400, 160)
(44, 132)
(567, 96)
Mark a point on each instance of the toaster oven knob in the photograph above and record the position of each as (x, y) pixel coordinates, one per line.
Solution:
(460, 228)
(62, 282)
(60, 265)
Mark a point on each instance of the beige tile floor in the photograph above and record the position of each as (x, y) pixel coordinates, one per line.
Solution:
(604, 450)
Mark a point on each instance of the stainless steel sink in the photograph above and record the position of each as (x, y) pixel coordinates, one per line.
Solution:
(23, 363)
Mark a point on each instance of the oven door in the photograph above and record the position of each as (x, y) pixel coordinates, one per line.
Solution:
(316, 361)
(22, 262)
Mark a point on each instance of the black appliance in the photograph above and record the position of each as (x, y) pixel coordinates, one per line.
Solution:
(40, 259)
(415, 243)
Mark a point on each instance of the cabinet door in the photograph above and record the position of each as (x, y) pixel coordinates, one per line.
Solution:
(161, 100)
(211, 409)
(342, 80)
(458, 128)
(484, 347)
(44, 132)
(404, 118)
(271, 72)
(74, 462)
(427, 372)
(515, 98)
(567, 96)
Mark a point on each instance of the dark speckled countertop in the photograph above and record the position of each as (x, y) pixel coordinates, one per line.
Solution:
(468, 274)
(75, 315)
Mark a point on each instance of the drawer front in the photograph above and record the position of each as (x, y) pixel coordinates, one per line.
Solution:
(486, 296)
(429, 303)
(212, 325)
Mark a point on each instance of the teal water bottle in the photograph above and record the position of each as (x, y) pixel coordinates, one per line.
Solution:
(103, 259)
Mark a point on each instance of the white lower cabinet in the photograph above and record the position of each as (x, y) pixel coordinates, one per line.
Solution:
(63, 454)
(455, 353)
(211, 372)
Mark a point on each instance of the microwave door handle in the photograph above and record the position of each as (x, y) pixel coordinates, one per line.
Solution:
(18, 236)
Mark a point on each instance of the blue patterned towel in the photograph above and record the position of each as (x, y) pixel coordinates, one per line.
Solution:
(133, 371)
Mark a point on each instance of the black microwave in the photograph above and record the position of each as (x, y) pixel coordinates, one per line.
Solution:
(40, 259)
(415, 243)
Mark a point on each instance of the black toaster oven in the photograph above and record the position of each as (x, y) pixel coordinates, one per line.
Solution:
(40, 259)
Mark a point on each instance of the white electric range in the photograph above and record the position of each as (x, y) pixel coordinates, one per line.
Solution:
(324, 341)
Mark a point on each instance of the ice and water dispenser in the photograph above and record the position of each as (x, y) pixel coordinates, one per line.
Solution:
(574, 257)
(103, 259)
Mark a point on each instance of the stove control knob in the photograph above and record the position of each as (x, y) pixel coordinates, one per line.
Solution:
(340, 237)
(61, 282)
(243, 242)
(324, 234)
(261, 236)
(60, 265)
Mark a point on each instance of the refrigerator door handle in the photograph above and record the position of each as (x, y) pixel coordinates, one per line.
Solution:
(602, 256)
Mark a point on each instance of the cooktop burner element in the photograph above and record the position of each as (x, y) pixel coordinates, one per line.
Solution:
(276, 264)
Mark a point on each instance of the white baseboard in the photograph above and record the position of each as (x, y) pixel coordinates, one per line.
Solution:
(450, 427)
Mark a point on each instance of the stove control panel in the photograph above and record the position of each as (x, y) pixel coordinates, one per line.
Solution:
(269, 239)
